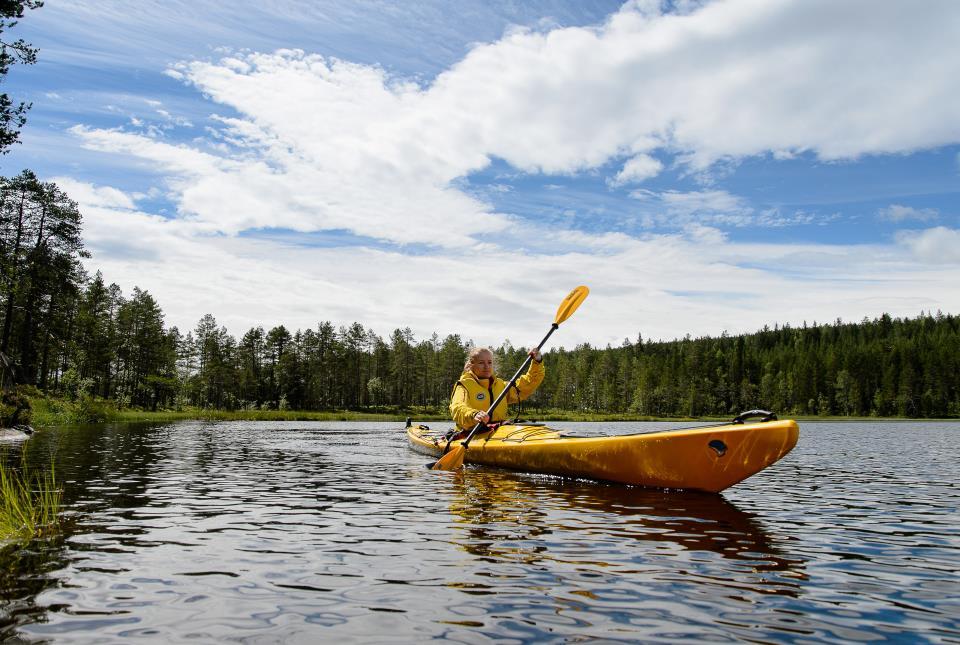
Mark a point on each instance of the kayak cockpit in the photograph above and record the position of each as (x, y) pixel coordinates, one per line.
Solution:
(504, 432)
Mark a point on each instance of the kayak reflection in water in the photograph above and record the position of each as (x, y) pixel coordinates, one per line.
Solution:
(478, 387)
(546, 521)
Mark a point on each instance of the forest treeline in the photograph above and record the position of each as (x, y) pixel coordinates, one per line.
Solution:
(72, 335)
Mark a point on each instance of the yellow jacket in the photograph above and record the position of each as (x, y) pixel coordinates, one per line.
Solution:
(470, 394)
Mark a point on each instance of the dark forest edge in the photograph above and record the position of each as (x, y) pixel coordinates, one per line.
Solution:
(79, 350)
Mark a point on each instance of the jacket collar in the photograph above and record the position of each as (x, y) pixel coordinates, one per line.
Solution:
(468, 375)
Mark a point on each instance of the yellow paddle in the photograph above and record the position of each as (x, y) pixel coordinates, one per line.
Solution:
(454, 459)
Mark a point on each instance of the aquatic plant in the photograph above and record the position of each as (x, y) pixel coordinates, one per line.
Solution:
(29, 502)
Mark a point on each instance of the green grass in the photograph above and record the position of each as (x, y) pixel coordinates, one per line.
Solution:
(29, 503)
(47, 411)
(52, 412)
(267, 415)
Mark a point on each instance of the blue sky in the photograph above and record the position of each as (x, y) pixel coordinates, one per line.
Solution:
(459, 167)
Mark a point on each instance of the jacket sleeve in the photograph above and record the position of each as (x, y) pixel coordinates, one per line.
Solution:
(528, 383)
(460, 410)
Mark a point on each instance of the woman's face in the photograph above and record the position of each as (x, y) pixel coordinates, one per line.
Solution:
(482, 365)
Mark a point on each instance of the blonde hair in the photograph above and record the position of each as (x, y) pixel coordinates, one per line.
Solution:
(476, 351)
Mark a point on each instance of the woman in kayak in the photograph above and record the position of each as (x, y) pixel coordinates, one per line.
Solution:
(478, 388)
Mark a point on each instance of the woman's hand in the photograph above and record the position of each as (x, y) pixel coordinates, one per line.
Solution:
(481, 417)
(535, 354)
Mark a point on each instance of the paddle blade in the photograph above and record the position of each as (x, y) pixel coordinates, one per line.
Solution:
(452, 460)
(570, 303)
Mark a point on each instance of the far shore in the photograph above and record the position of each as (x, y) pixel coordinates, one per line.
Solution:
(44, 418)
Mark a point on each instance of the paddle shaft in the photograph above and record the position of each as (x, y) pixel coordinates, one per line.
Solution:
(510, 384)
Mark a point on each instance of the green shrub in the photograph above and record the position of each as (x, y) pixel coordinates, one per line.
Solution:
(15, 408)
(93, 410)
(87, 409)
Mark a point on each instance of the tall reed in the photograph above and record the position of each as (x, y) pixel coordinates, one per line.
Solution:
(29, 502)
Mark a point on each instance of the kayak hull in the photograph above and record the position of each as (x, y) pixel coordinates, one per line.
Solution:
(708, 458)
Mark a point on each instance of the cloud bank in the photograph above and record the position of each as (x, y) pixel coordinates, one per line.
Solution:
(313, 144)
(326, 144)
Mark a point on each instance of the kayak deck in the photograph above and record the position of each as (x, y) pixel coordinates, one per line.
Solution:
(710, 458)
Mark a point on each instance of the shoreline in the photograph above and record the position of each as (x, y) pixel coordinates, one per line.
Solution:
(44, 420)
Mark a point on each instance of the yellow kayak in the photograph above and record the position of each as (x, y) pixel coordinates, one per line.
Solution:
(706, 458)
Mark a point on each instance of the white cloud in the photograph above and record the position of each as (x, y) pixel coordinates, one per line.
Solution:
(679, 209)
(88, 196)
(705, 234)
(774, 218)
(937, 245)
(664, 285)
(719, 201)
(328, 144)
(233, 194)
(900, 213)
(171, 119)
(319, 144)
(735, 78)
(637, 169)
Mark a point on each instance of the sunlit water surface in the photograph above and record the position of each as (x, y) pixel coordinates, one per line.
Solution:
(297, 532)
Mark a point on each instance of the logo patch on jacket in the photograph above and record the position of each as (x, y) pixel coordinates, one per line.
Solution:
(480, 396)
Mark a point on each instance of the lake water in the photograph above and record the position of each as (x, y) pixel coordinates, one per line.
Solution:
(302, 532)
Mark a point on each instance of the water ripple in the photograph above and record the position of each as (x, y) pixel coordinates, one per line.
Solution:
(259, 532)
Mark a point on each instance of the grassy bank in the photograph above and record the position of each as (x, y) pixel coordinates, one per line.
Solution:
(263, 415)
(48, 411)
(52, 412)
(29, 503)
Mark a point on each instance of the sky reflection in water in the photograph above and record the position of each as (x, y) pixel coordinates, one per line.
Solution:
(300, 531)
